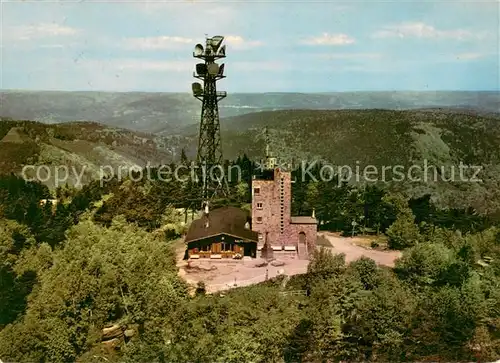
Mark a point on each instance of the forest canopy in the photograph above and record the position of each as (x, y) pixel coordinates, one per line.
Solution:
(93, 277)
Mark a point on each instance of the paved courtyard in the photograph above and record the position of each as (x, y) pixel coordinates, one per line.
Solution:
(222, 275)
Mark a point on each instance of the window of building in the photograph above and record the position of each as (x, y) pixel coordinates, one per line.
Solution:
(259, 205)
(256, 190)
(226, 246)
(259, 219)
(205, 248)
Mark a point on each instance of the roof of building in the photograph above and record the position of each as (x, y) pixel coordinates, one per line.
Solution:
(303, 220)
(228, 220)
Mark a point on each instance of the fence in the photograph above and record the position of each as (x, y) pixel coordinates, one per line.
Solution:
(236, 283)
(254, 280)
(294, 293)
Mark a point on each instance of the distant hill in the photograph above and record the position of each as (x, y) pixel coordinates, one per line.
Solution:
(85, 148)
(169, 112)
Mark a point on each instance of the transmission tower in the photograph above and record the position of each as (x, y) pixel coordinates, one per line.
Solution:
(209, 156)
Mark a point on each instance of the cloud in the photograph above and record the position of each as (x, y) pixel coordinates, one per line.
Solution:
(53, 46)
(274, 66)
(473, 56)
(469, 56)
(181, 66)
(350, 56)
(238, 42)
(330, 39)
(37, 31)
(132, 64)
(174, 42)
(425, 31)
(192, 18)
(156, 43)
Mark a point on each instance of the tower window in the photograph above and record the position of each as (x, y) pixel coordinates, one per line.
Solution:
(256, 190)
(259, 205)
(259, 219)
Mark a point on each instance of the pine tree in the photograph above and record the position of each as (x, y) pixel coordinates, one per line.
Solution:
(184, 159)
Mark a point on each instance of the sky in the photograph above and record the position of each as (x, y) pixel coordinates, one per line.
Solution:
(272, 46)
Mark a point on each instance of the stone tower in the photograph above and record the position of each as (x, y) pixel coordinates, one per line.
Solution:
(271, 205)
(272, 209)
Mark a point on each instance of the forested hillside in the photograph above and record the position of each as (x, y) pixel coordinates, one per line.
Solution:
(383, 138)
(83, 147)
(379, 137)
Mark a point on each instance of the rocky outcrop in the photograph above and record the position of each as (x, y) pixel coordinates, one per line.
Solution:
(114, 335)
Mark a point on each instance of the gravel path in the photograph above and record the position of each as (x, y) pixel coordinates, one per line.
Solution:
(353, 252)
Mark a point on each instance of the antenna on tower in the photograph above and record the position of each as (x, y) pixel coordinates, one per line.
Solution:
(270, 161)
(209, 155)
(267, 143)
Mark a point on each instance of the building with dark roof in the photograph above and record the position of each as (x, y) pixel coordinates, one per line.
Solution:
(221, 233)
